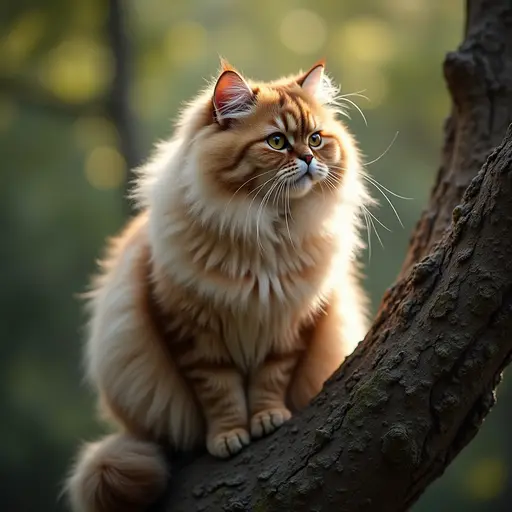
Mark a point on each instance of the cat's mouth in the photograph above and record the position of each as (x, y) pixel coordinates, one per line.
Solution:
(303, 175)
(301, 185)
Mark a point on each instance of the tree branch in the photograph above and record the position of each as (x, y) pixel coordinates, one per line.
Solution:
(416, 390)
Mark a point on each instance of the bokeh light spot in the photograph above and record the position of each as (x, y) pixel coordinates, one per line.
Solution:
(186, 42)
(367, 41)
(77, 70)
(487, 478)
(303, 31)
(23, 37)
(105, 168)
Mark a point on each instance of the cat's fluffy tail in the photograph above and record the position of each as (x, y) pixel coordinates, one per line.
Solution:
(117, 473)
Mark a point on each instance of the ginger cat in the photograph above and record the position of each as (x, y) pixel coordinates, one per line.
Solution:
(233, 295)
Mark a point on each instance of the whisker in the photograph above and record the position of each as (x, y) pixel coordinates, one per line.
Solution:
(331, 185)
(243, 185)
(357, 108)
(368, 234)
(252, 201)
(387, 199)
(357, 93)
(337, 168)
(385, 152)
(373, 181)
(289, 207)
(321, 188)
(332, 181)
(376, 219)
(336, 179)
(287, 202)
(381, 188)
(330, 178)
(265, 199)
(258, 217)
(277, 194)
(376, 232)
(257, 189)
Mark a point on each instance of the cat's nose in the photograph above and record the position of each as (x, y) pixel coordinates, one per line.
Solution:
(306, 158)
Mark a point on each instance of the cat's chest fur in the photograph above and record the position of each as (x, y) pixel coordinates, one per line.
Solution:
(256, 302)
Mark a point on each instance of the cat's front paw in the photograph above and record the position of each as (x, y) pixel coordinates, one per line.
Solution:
(227, 444)
(265, 422)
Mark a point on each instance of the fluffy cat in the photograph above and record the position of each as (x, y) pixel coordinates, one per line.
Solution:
(233, 295)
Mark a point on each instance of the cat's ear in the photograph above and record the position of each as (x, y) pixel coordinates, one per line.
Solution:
(232, 96)
(312, 81)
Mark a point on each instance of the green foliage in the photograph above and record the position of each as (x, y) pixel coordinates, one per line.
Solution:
(63, 175)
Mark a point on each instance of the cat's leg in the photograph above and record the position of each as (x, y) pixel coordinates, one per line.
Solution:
(154, 387)
(268, 386)
(219, 388)
(334, 335)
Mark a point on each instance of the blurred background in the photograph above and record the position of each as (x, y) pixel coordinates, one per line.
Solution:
(85, 91)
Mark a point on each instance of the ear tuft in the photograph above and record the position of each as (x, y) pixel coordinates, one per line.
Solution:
(225, 65)
(316, 83)
(232, 97)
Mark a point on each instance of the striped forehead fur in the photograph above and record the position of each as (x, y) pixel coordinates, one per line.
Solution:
(295, 116)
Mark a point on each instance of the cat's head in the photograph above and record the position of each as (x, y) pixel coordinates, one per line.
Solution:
(279, 140)
(247, 150)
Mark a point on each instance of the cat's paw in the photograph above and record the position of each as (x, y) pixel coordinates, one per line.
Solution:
(228, 443)
(265, 422)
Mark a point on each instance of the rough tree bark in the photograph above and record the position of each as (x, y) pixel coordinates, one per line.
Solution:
(416, 390)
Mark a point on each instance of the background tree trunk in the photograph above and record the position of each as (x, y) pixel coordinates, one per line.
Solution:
(118, 103)
(479, 78)
(415, 392)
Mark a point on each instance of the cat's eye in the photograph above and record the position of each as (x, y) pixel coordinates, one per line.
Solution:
(277, 141)
(315, 140)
